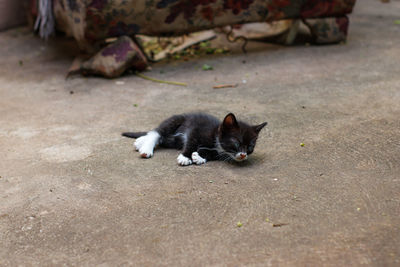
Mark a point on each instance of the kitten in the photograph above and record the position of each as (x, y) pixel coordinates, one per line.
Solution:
(201, 137)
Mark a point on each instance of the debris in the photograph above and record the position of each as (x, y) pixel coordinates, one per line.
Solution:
(275, 179)
(267, 220)
(207, 67)
(205, 44)
(239, 224)
(159, 81)
(244, 81)
(226, 183)
(279, 224)
(43, 212)
(358, 209)
(225, 86)
(293, 31)
(231, 38)
(302, 144)
(261, 30)
(220, 51)
(111, 40)
(161, 48)
(119, 82)
(211, 181)
(210, 50)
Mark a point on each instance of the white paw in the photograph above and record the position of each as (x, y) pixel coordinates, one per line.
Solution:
(139, 142)
(146, 151)
(198, 159)
(145, 144)
(183, 161)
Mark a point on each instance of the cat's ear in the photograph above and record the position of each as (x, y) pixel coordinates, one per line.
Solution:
(230, 122)
(257, 128)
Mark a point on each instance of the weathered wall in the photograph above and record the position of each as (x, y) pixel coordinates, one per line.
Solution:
(12, 13)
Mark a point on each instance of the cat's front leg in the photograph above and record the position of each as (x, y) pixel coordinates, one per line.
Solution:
(183, 160)
(197, 159)
(190, 146)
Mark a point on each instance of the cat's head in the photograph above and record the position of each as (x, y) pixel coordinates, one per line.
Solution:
(237, 139)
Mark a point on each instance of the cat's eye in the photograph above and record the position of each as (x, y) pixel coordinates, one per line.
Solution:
(250, 147)
(236, 144)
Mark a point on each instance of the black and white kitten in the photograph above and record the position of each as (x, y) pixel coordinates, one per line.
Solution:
(201, 137)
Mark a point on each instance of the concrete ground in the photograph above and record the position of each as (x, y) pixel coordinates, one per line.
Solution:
(74, 192)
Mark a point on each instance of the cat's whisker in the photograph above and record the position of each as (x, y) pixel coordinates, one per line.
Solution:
(225, 156)
(228, 159)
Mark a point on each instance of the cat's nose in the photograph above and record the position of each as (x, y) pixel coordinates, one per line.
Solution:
(240, 156)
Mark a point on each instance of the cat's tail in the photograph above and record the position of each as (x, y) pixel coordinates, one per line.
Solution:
(134, 134)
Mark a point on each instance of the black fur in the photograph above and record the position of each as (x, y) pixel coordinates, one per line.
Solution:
(134, 135)
(205, 134)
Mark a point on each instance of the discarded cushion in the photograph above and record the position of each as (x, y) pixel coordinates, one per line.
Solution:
(91, 22)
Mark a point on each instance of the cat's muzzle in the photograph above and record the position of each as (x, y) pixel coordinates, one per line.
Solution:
(240, 156)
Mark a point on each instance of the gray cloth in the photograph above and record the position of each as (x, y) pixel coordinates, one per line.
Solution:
(45, 19)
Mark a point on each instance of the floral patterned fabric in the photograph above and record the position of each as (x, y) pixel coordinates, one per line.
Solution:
(114, 59)
(92, 21)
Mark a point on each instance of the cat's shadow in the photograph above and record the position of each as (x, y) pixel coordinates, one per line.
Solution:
(252, 161)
